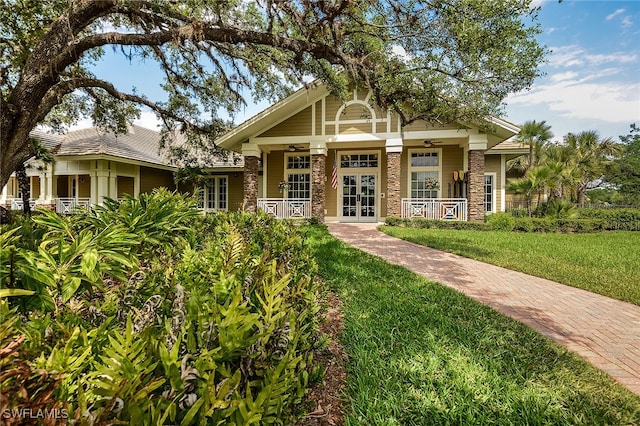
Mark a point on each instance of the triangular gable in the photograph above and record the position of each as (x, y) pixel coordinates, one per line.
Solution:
(295, 116)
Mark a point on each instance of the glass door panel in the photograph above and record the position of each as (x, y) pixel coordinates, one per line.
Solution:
(359, 197)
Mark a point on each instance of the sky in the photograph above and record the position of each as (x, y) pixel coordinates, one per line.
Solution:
(591, 76)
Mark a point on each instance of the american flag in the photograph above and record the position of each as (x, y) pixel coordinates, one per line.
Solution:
(334, 172)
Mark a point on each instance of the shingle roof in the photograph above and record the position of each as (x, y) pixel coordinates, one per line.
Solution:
(510, 145)
(139, 144)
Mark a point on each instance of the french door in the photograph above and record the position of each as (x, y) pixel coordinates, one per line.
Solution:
(358, 197)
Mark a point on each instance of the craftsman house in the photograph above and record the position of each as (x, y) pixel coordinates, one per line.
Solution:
(91, 164)
(313, 155)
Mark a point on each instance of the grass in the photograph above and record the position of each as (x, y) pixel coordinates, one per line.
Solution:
(605, 263)
(420, 353)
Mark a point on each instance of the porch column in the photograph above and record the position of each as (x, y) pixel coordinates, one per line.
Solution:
(475, 185)
(102, 174)
(394, 200)
(113, 181)
(251, 154)
(318, 152)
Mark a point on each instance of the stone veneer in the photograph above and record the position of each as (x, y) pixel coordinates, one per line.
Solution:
(393, 184)
(318, 185)
(250, 202)
(475, 186)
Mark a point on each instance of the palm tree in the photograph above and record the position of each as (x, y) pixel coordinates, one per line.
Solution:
(588, 156)
(534, 182)
(535, 134)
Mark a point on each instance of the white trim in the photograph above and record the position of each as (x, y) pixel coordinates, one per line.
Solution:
(494, 191)
(373, 120)
(287, 171)
(265, 176)
(437, 168)
(216, 194)
(313, 119)
(503, 183)
(324, 116)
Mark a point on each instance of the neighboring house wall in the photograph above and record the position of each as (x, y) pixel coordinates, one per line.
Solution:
(492, 164)
(155, 178)
(125, 186)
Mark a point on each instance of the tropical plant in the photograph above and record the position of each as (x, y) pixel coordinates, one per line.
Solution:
(534, 134)
(589, 155)
(625, 173)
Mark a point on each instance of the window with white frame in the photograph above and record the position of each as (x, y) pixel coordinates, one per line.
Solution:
(424, 173)
(298, 173)
(216, 193)
(489, 197)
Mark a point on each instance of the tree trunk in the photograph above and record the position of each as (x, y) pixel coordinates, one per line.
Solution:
(582, 193)
(25, 189)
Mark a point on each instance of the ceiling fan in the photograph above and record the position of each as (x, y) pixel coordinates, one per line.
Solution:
(294, 148)
(429, 143)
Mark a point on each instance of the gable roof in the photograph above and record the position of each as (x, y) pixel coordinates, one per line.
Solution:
(138, 144)
(303, 98)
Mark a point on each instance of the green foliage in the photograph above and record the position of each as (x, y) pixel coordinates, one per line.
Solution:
(501, 221)
(625, 170)
(436, 224)
(614, 219)
(215, 326)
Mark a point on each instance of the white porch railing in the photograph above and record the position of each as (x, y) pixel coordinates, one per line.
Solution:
(285, 208)
(17, 204)
(66, 205)
(435, 208)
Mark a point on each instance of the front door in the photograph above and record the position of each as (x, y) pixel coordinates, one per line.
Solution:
(359, 197)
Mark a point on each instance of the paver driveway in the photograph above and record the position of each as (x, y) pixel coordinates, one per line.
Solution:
(604, 331)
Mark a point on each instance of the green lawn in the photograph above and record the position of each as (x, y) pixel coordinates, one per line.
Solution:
(607, 263)
(421, 353)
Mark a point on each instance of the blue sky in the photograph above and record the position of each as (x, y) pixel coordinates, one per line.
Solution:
(591, 81)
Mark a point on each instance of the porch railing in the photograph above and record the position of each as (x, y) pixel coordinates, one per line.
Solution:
(17, 203)
(435, 208)
(67, 205)
(286, 208)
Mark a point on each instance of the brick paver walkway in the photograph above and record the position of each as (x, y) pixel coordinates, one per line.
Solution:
(604, 331)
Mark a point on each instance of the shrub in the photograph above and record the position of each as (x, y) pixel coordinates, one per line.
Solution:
(219, 330)
(615, 219)
(436, 224)
(501, 221)
(558, 209)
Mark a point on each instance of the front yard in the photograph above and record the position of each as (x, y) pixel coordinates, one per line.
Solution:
(606, 263)
(420, 353)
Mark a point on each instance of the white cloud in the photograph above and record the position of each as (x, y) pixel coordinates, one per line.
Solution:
(627, 22)
(614, 14)
(148, 120)
(572, 55)
(615, 102)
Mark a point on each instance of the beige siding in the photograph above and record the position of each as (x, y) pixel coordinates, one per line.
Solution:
(331, 195)
(155, 178)
(318, 122)
(421, 125)
(275, 173)
(35, 187)
(492, 165)
(350, 129)
(84, 186)
(125, 186)
(298, 125)
(451, 160)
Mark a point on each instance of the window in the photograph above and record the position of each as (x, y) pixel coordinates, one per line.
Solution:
(298, 176)
(358, 160)
(215, 194)
(489, 198)
(424, 173)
